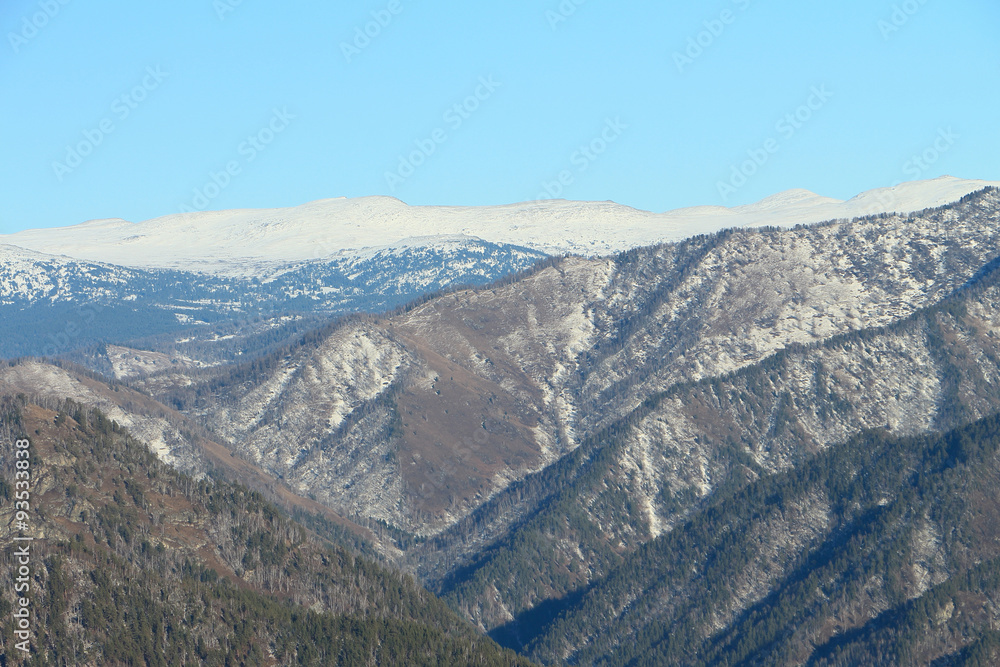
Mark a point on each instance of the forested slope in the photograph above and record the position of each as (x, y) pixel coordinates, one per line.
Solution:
(881, 551)
(644, 475)
(135, 563)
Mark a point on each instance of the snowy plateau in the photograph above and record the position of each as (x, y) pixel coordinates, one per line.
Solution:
(247, 243)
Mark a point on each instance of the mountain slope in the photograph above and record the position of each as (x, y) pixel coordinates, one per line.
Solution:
(469, 392)
(812, 566)
(173, 438)
(646, 475)
(542, 430)
(135, 562)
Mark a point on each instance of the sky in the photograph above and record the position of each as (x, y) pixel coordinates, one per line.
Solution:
(137, 110)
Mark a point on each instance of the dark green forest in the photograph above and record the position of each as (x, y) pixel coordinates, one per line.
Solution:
(875, 499)
(142, 565)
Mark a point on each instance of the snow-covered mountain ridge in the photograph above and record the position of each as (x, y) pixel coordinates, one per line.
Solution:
(48, 302)
(244, 242)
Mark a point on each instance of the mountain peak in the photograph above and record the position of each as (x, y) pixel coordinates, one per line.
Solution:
(797, 198)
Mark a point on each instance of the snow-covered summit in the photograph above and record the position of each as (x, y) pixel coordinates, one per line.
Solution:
(241, 241)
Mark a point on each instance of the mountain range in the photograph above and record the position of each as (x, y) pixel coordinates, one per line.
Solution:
(204, 287)
(763, 435)
(247, 242)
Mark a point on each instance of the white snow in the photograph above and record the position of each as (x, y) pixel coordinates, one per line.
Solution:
(161, 436)
(242, 242)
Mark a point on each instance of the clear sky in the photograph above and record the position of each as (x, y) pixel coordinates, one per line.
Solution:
(140, 109)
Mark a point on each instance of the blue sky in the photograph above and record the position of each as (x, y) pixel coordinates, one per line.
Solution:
(137, 110)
